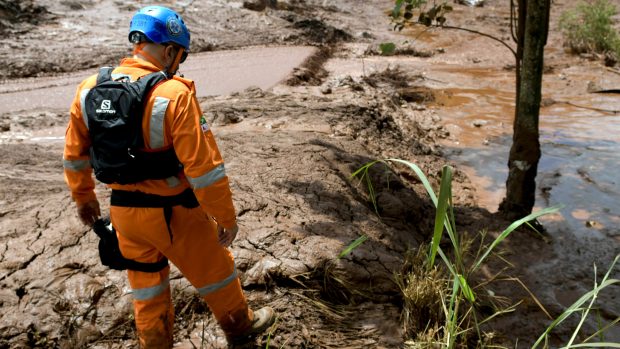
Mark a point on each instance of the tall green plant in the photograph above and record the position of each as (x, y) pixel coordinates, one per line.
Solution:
(444, 220)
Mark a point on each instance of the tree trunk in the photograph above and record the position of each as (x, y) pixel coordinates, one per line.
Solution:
(525, 150)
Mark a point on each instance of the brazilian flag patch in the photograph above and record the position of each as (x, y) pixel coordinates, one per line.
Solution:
(203, 124)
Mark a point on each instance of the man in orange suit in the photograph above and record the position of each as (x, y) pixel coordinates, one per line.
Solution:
(184, 214)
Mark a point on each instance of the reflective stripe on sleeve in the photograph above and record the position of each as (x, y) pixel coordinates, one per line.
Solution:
(83, 94)
(172, 181)
(157, 122)
(143, 294)
(75, 165)
(210, 288)
(208, 178)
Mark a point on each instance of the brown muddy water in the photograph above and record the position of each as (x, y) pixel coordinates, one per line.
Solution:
(580, 146)
(214, 73)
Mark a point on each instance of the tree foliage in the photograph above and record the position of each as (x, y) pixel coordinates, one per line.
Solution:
(428, 14)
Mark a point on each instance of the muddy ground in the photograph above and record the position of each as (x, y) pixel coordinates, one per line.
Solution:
(289, 152)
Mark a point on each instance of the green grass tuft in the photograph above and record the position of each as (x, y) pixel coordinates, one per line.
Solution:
(589, 28)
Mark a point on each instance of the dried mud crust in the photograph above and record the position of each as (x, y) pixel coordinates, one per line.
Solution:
(289, 158)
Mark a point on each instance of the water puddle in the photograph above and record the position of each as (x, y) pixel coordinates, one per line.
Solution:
(580, 151)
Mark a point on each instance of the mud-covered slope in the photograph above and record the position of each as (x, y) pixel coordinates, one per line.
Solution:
(289, 157)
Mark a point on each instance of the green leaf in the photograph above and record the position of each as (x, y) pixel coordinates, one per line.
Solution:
(421, 176)
(352, 246)
(387, 48)
(594, 345)
(511, 228)
(425, 19)
(397, 6)
(440, 213)
(432, 13)
(467, 291)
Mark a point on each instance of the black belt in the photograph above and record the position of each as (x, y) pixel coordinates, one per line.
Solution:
(125, 198)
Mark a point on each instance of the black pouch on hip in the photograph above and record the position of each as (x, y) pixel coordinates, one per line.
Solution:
(110, 253)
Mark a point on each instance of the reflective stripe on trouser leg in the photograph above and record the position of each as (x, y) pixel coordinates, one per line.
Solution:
(232, 313)
(155, 321)
(230, 308)
(146, 293)
(142, 234)
(210, 288)
(209, 266)
(153, 308)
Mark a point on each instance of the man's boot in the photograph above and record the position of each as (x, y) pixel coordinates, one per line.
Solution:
(263, 319)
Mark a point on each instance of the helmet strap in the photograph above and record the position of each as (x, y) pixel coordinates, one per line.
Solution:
(175, 64)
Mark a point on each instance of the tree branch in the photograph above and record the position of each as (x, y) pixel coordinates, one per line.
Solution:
(480, 33)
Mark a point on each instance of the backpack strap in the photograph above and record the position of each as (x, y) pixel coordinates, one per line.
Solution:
(105, 74)
(147, 82)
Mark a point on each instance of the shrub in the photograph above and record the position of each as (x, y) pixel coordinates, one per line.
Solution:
(589, 28)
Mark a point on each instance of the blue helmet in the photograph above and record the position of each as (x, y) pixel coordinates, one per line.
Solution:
(160, 25)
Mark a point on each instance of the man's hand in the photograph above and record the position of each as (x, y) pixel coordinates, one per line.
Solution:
(89, 212)
(227, 236)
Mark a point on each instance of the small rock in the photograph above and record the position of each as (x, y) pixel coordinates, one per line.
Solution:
(326, 89)
(479, 123)
(593, 87)
(610, 60)
(591, 224)
(547, 102)
(472, 3)
(588, 56)
(260, 5)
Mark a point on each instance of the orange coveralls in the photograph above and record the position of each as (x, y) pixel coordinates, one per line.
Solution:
(172, 117)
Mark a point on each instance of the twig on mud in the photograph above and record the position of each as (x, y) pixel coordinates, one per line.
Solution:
(517, 280)
(327, 309)
(422, 33)
(480, 33)
(613, 70)
(611, 111)
(108, 335)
